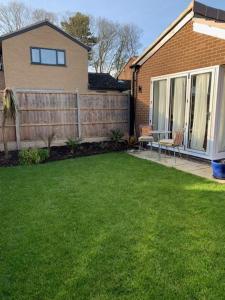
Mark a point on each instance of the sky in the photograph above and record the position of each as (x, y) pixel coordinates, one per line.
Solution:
(152, 16)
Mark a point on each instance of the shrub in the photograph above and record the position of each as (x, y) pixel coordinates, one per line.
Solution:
(116, 135)
(72, 144)
(48, 140)
(132, 140)
(44, 154)
(33, 156)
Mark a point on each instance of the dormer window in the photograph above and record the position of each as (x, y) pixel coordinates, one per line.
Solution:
(49, 57)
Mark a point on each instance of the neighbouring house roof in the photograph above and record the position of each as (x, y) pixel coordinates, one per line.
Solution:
(39, 24)
(131, 59)
(200, 13)
(104, 81)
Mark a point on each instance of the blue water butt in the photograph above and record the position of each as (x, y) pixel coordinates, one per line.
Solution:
(218, 169)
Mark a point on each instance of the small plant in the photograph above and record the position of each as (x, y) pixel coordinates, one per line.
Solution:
(72, 144)
(33, 156)
(48, 140)
(29, 157)
(102, 145)
(116, 135)
(132, 140)
(44, 154)
(9, 112)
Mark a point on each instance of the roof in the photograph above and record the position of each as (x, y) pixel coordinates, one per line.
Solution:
(131, 59)
(104, 81)
(195, 9)
(39, 24)
(208, 11)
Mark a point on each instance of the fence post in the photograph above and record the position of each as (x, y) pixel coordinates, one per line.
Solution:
(129, 113)
(78, 114)
(17, 121)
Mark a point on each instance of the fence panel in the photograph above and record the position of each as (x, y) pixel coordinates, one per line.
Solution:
(67, 115)
(101, 113)
(42, 114)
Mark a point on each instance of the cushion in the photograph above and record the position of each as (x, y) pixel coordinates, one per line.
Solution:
(146, 138)
(166, 142)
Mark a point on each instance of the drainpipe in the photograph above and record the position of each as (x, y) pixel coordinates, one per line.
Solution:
(134, 90)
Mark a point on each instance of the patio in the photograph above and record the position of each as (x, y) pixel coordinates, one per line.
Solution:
(188, 165)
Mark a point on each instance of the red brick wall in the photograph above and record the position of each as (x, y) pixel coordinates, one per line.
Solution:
(187, 50)
(126, 72)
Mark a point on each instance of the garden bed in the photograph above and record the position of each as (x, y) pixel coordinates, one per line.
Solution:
(63, 152)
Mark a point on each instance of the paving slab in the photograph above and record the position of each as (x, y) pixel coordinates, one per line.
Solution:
(198, 168)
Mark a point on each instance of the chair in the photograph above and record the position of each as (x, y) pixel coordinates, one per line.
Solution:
(175, 142)
(146, 136)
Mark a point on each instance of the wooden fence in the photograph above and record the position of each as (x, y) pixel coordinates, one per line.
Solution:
(67, 115)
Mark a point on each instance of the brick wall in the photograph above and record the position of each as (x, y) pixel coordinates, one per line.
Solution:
(187, 50)
(126, 72)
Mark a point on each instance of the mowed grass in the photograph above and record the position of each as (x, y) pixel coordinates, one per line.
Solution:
(110, 227)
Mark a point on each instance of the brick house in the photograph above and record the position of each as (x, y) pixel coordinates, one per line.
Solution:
(179, 81)
(44, 57)
(126, 71)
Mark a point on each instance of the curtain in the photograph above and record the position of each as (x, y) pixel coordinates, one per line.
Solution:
(179, 101)
(200, 111)
(159, 105)
(155, 105)
(222, 122)
(162, 105)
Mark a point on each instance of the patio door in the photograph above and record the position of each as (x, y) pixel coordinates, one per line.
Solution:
(159, 105)
(199, 111)
(177, 103)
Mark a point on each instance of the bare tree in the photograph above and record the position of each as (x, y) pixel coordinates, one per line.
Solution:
(116, 43)
(13, 16)
(16, 15)
(127, 46)
(41, 15)
(106, 33)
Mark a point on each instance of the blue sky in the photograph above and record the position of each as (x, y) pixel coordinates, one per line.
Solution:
(152, 16)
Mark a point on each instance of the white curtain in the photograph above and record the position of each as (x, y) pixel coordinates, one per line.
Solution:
(155, 105)
(200, 111)
(159, 105)
(162, 105)
(222, 122)
(179, 101)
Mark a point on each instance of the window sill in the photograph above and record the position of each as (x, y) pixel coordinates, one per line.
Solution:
(48, 65)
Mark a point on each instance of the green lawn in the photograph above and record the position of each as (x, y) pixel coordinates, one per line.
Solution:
(110, 227)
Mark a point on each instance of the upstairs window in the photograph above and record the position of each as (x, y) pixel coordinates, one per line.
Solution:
(49, 57)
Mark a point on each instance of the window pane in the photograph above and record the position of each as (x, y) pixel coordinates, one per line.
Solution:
(61, 57)
(35, 56)
(159, 105)
(199, 111)
(48, 56)
(177, 103)
(222, 122)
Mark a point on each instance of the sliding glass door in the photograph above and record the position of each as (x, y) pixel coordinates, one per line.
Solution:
(184, 102)
(178, 90)
(221, 131)
(159, 105)
(199, 107)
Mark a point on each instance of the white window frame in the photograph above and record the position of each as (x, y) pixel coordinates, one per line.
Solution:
(212, 147)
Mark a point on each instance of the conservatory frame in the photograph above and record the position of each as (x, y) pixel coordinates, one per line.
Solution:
(213, 116)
